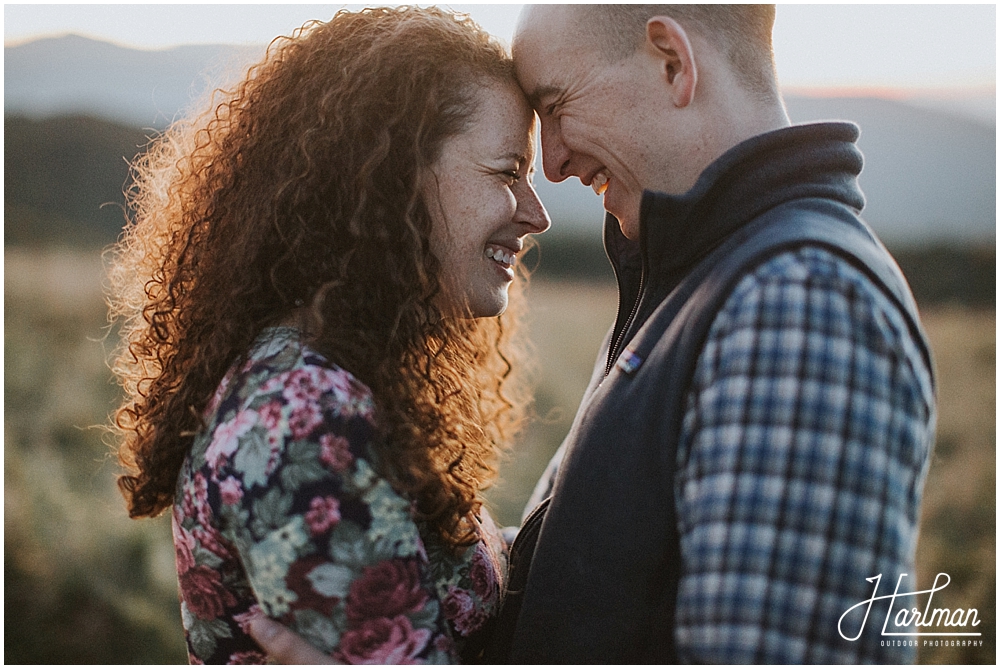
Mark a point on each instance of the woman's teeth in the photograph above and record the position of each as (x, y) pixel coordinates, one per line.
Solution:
(599, 183)
(493, 253)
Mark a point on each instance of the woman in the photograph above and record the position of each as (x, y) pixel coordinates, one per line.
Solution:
(314, 376)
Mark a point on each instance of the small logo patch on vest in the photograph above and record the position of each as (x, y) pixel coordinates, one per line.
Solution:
(628, 361)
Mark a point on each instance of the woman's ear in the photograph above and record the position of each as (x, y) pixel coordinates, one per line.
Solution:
(667, 41)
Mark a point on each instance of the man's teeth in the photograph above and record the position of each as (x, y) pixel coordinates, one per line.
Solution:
(599, 183)
(494, 253)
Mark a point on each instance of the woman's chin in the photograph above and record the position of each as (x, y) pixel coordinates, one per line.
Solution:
(483, 306)
(475, 304)
(487, 312)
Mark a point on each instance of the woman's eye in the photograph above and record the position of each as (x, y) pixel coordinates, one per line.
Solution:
(512, 177)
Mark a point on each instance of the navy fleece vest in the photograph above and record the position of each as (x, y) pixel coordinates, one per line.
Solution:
(595, 569)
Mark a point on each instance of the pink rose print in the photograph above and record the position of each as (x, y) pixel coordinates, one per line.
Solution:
(444, 644)
(188, 509)
(231, 491)
(344, 388)
(270, 415)
(212, 541)
(248, 657)
(203, 591)
(335, 452)
(385, 590)
(383, 641)
(220, 393)
(461, 610)
(482, 573)
(200, 489)
(302, 386)
(183, 545)
(204, 511)
(304, 420)
(226, 437)
(323, 513)
(275, 442)
(298, 582)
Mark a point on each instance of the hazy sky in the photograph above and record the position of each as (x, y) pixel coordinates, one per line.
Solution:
(866, 46)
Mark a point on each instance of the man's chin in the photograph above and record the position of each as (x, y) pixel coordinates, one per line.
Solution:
(629, 226)
(627, 216)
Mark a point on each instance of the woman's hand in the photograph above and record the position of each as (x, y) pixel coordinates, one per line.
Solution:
(284, 646)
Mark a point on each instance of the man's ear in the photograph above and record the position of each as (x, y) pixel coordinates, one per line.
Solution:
(667, 41)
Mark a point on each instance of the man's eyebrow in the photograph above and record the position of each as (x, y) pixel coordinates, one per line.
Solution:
(536, 96)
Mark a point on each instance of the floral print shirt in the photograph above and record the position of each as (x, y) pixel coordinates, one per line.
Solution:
(279, 510)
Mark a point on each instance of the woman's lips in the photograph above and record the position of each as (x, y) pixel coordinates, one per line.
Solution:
(501, 255)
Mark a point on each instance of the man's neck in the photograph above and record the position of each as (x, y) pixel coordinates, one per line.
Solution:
(744, 118)
(725, 126)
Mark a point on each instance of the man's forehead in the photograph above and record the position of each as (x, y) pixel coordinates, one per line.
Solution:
(544, 16)
(541, 26)
(540, 49)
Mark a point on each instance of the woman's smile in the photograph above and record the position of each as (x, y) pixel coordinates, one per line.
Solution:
(482, 203)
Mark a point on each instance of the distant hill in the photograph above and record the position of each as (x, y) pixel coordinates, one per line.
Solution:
(929, 175)
(77, 75)
(64, 179)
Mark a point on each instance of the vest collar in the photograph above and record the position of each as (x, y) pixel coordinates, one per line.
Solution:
(675, 231)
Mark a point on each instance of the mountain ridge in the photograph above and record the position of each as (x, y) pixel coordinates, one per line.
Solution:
(929, 175)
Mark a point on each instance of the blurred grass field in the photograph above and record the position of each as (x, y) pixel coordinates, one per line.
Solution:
(84, 584)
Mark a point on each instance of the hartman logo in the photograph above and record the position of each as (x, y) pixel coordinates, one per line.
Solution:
(929, 622)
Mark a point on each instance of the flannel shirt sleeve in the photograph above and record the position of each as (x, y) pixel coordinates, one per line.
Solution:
(803, 452)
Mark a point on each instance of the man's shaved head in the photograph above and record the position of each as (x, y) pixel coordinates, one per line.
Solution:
(636, 98)
(740, 32)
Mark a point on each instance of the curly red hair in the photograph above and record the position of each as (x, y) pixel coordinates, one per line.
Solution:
(301, 186)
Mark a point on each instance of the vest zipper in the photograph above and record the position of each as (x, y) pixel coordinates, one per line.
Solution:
(614, 351)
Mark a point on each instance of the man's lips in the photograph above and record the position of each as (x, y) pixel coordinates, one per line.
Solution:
(599, 182)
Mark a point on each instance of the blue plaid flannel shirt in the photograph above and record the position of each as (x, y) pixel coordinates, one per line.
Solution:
(802, 457)
(803, 452)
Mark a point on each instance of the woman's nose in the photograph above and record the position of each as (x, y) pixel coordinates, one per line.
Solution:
(531, 211)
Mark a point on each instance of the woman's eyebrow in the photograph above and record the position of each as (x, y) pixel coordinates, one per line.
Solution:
(515, 156)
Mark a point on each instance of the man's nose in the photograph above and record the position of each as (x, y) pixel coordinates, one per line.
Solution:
(555, 153)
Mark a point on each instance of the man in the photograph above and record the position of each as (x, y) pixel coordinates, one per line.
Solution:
(754, 441)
